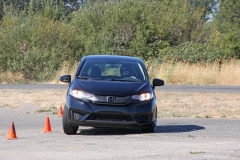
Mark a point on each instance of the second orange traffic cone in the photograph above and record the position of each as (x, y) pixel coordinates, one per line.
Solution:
(12, 132)
(60, 112)
(47, 126)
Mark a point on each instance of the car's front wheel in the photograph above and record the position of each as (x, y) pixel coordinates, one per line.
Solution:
(67, 127)
(151, 128)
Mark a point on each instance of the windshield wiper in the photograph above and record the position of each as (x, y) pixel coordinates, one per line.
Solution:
(83, 78)
(129, 79)
(121, 80)
(88, 78)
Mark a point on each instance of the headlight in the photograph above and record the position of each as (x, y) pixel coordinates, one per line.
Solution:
(143, 97)
(80, 94)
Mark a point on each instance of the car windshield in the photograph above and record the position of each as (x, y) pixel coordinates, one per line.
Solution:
(112, 71)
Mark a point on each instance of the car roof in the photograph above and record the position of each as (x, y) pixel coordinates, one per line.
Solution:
(113, 57)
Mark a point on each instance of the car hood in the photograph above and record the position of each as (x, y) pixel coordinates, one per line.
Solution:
(115, 88)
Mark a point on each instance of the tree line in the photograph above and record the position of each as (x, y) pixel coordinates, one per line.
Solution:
(36, 37)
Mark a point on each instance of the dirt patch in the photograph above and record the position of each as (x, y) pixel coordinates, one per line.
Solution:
(198, 105)
(192, 105)
(35, 99)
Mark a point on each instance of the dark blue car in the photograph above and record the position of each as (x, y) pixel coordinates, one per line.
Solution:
(110, 91)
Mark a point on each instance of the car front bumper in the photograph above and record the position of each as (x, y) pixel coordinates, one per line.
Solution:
(135, 116)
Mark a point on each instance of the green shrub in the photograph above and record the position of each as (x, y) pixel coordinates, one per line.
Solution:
(191, 53)
(39, 37)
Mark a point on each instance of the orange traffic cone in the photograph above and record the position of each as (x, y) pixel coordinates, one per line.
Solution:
(60, 112)
(12, 132)
(47, 126)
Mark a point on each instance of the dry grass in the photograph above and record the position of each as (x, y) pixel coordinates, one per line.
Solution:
(196, 105)
(230, 73)
(9, 77)
(181, 73)
(67, 69)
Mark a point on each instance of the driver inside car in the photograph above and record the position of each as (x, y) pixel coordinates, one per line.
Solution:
(127, 71)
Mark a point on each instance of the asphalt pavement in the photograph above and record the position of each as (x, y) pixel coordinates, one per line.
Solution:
(175, 138)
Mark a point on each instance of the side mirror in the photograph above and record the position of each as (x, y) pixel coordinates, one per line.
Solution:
(66, 78)
(157, 82)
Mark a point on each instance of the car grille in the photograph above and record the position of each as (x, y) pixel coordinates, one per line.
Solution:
(118, 101)
(110, 117)
(107, 103)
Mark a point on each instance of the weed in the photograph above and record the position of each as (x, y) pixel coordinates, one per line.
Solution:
(179, 115)
(201, 152)
(2, 133)
(50, 109)
(223, 116)
(190, 136)
(207, 116)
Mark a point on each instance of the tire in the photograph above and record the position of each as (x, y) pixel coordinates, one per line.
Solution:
(151, 128)
(67, 127)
